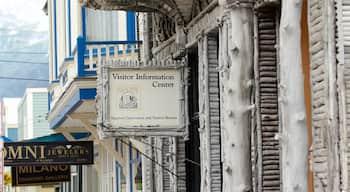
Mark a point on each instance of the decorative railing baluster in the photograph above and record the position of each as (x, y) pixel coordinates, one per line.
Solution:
(87, 57)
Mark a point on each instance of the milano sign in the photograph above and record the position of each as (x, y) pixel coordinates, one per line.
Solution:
(38, 175)
(48, 153)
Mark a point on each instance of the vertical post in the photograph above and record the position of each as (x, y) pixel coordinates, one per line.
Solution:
(83, 22)
(147, 37)
(147, 168)
(55, 39)
(80, 178)
(130, 29)
(69, 28)
(236, 64)
(131, 177)
(80, 55)
(130, 23)
(294, 140)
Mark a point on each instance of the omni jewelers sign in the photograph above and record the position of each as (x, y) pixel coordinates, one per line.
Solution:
(142, 100)
(48, 153)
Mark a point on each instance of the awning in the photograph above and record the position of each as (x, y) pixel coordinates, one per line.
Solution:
(6, 139)
(57, 137)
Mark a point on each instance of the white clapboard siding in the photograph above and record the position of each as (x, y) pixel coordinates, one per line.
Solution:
(268, 101)
(103, 25)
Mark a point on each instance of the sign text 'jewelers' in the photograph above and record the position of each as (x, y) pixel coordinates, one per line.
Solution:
(48, 153)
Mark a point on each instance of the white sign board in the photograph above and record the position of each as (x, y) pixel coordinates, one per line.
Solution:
(140, 100)
(144, 98)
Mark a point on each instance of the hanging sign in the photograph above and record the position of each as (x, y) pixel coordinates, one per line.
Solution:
(142, 100)
(48, 153)
(147, 98)
(40, 175)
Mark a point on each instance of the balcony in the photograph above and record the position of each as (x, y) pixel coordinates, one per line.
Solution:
(75, 90)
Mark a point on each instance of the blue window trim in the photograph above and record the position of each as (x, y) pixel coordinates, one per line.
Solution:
(49, 95)
(69, 28)
(81, 44)
(83, 22)
(71, 58)
(131, 28)
(55, 36)
(80, 55)
(112, 42)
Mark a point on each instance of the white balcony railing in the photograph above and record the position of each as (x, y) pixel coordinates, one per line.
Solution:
(84, 62)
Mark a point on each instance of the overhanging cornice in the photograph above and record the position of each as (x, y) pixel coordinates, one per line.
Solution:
(162, 6)
(165, 7)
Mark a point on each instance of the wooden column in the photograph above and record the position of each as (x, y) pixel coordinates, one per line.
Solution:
(294, 138)
(236, 64)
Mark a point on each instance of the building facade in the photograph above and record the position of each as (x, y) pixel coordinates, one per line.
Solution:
(11, 117)
(32, 114)
(248, 94)
(79, 38)
(266, 94)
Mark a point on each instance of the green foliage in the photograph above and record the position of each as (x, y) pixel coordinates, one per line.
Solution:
(7, 178)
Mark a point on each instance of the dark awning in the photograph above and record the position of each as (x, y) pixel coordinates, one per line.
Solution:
(57, 137)
(6, 139)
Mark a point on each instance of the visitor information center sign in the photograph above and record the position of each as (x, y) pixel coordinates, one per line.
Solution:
(143, 101)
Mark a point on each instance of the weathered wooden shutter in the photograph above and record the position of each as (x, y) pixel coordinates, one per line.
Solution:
(319, 88)
(170, 174)
(165, 163)
(209, 109)
(214, 114)
(343, 68)
(268, 147)
(324, 99)
(180, 165)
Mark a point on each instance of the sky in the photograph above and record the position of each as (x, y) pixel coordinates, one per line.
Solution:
(23, 30)
(24, 12)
